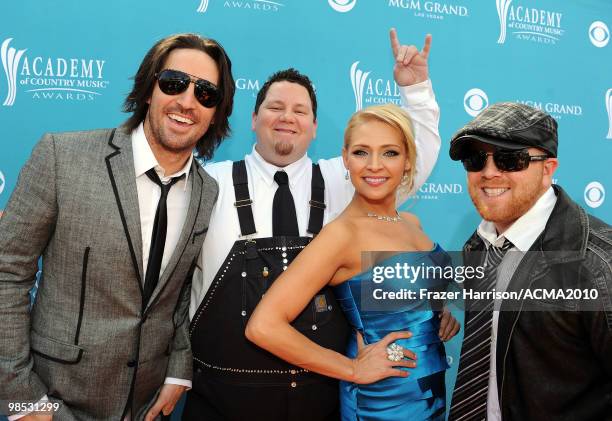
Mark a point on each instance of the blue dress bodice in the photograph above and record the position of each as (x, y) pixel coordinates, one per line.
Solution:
(421, 395)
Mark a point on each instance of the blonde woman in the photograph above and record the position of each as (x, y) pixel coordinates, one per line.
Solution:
(395, 361)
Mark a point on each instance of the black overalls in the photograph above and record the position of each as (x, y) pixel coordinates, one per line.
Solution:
(233, 378)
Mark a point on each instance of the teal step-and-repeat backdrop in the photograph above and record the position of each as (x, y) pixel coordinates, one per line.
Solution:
(67, 66)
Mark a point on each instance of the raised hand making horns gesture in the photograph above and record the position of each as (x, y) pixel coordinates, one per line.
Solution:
(410, 63)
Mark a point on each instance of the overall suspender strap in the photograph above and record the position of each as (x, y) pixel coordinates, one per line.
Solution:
(317, 201)
(243, 200)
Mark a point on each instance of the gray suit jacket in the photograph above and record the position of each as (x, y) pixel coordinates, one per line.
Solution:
(90, 342)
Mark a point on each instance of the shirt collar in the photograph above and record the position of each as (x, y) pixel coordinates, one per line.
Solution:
(266, 170)
(525, 230)
(144, 159)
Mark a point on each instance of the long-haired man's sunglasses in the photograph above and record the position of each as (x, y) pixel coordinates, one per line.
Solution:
(505, 160)
(174, 82)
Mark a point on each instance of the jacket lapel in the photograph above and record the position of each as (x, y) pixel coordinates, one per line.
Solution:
(120, 165)
(549, 249)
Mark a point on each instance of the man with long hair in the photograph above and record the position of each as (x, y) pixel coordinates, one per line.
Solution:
(119, 217)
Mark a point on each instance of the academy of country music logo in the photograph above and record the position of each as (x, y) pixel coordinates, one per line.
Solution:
(609, 110)
(433, 191)
(430, 9)
(51, 78)
(2, 182)
(203, 6)
(370, 91)
(342, 6)
(594, 194)
(258, 5)
(527, 23)
(599, 34)
(474, 101)
(10, 61)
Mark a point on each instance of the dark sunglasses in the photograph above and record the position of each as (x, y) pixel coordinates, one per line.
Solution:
(504, 160)
(174, 82)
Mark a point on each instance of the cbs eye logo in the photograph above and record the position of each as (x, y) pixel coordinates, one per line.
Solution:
(474, 101)
(594, 194)
(342, 6)
(599, 34)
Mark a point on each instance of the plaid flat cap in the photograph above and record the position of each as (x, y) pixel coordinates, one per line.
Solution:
(508, 125)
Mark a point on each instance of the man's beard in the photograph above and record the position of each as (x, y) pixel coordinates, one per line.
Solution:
(174, 144)
(283, 148)
(517, 207)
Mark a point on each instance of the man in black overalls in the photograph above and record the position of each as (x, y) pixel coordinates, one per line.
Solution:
(268, 208)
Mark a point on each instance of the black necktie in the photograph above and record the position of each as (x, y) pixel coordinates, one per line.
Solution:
(284, 219)
(472, 386)
(158, 237)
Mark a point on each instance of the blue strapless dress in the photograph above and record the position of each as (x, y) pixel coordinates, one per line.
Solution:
(421, 395)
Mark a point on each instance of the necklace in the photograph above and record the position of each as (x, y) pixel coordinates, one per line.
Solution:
(396, 218)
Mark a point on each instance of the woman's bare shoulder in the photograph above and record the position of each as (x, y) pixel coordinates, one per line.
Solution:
(411, 218)
(420, 240)
(340, 228)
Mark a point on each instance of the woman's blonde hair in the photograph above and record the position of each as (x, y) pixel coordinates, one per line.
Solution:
(395, 117)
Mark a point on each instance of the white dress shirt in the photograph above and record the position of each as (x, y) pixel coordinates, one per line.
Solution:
(148, 197)
(224, 228)
(149, 193)
(522, 234)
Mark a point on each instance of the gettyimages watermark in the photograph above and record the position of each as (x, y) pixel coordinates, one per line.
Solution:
(524, 281)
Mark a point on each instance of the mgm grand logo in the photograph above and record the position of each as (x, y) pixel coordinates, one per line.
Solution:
(430, 9)
(433, 191)
(555, 109)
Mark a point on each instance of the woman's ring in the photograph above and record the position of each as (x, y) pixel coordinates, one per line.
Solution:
(395, 352)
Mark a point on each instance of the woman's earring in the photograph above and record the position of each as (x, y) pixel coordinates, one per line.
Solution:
(405, 179)
(347, 176)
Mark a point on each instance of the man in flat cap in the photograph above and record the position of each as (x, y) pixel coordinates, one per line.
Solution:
(542, 353)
